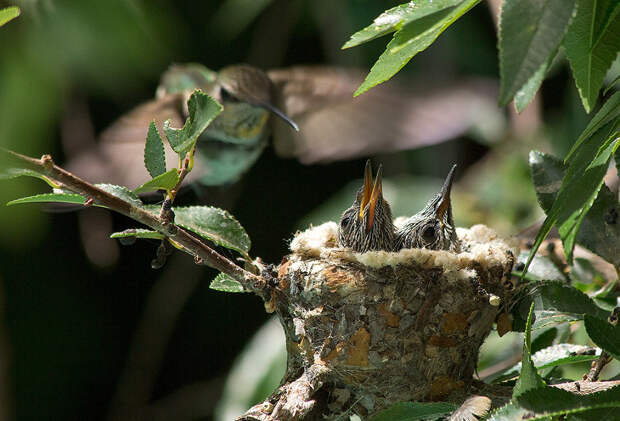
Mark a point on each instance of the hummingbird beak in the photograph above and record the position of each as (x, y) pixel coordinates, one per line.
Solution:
(366, 192)
(280, 114)
(377, 194)
(444, 203)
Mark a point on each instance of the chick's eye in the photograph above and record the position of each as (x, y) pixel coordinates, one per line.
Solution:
(428, 234)
(345, 222)
(227, 96)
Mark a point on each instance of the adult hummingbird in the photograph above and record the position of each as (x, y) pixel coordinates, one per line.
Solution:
(367, 224)
(318, 100)
(432, 227)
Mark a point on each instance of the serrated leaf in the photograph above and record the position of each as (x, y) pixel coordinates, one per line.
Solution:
(592, 44)
(528, 376)
(223, 282)
(214, 224)
(580, 187)
(121, 192)
(541, 268)
(50, 198)
(202, 110)
(137, 233)
(526, 93)
(10, 173)
(530, 31)
(604, 334)
(415, 411)
(410, 40)
(509, 412)
(9, 13)
(554, 356)
(552, 401)
(596, 233)
(154, 155)
(608, 112)
(165, 181)
(393, 19)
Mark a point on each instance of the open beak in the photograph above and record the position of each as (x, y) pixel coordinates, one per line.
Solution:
(444, 204)
(280, 114)
(376, 195)
(366, 190)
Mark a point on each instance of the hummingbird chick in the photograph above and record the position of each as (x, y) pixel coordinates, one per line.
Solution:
(432, 227)
(367, 224)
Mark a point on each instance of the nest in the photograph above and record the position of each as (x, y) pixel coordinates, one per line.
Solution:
(372, 329)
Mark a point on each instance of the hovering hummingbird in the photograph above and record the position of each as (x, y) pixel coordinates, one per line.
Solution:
(432, 227)
(367, 224)
(316, 100)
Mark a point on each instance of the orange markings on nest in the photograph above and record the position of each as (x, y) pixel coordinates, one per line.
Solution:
(443, 385)
(336, 277)
(391, 319)
(282, 272)
(455, 322)
(504, 324)
(442, 341)
(358, 348)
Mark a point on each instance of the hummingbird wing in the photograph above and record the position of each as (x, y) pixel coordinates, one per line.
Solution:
(390, 117)
(119, 154)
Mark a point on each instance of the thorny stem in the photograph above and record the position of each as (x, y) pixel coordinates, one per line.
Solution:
(189, 243)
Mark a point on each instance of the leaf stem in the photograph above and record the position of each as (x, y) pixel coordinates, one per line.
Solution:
(189, 242)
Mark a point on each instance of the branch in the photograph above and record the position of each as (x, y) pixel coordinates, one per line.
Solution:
(189, 242)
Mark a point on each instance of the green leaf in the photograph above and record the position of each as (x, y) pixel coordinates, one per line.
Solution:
(50, 198)
(552, 401)
(611, 85)
(10, 173)
(9, 13)
(604, 334)
(410, 40)
(608, 112)
(166, 181)
(526, 93)
(154, 155)
(509, 412)
(592, 44)
(393, 19)
(202, 110)
(541, 268)
(530, 31)
(596, 233)
(121, 192)
(414, 411)
(223, 282)
(215, 224)
(580, 187)
(137, 233)
(528, 378)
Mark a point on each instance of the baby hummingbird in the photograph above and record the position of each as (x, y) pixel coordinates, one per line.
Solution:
(367, 224)
(432, 227)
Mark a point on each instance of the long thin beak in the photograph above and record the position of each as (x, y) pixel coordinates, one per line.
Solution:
(445, 202)
(280, 114)
(366, 191)
(377, 194)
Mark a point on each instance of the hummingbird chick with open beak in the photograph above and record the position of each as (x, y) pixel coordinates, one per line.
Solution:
(432, 227)
(367, 224)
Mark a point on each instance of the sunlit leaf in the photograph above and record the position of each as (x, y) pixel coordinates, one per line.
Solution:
(414, 411)
(9, 13)
(410, 40)
(509, 412)
(165, 181)
(137, 233)
(592, 44)
(9, 173)
(154, 155)
(202, 110)
(395, 18)
(608, 112)
(50, 198)
(604, 334)
(530, 32)
(552, 401)
(528, 377)
(214, 224)
(225, 283)
(541, 268)
(121, 192)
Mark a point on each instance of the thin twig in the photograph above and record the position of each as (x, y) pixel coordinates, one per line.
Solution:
(189, 243)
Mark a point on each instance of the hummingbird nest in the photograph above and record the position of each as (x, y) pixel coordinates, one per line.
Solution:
(367, 330)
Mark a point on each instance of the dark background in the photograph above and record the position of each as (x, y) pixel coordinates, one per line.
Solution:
(68, 322)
